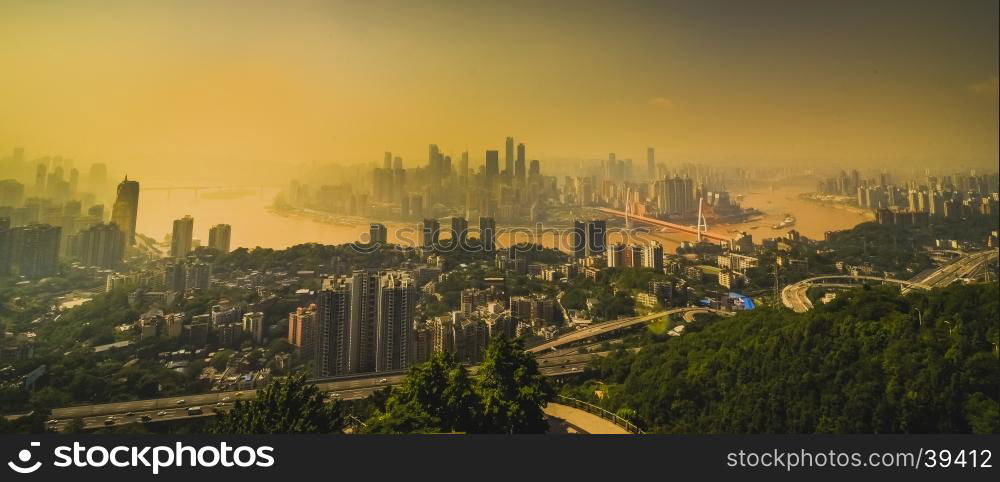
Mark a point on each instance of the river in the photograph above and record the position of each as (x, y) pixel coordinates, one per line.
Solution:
(253, 224)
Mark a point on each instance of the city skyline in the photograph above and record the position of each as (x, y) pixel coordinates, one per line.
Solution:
(259, 87)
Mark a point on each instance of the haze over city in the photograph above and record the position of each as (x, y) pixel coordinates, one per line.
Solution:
(162, 87)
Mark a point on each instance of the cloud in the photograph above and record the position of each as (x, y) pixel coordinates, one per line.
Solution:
(665, 103)
(987, 87)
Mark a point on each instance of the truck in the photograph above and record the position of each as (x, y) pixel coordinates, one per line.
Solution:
(194, 411)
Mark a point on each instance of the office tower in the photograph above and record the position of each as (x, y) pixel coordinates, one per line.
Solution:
(492, 170)
(96, 213)
(198, 276)
(302, 331)
(35, 250)
(416, 206)
(102, 245)
(74, 180)
(333, 319)
(459, 230)
(508, 165)
(487, 233)
(596, 237)
(97, 176)
(253, 326)
(434, 161)
(377, 234)
(125, 209)
(397, 296)
(650, 163)
(397, 163)
(387, 161)
(431, 233)
(183, 235)
(519, 173)
(364, 286)
(219, 237)
(536, 168)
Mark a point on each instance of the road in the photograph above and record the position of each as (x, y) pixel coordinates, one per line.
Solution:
(608, 326)
(173, 408)
(794, 296)
(566, 419)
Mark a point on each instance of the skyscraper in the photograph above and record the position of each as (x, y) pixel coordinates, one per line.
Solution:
(651, 163)
(492, 170)
(333, 316)
(431, 233)
(397, 297)
(183, 235)
(364, 285)
(102, 245)
(125, 209)
(519, 164)
(596, 237)
(487, 233)
(508, 159)
(35, 250)
(377, 234)
(459, 230)
(219, 236)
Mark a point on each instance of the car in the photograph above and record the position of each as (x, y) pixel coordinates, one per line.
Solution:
(225, 399)
(145, 418)
(334, 395)
(382, 380)
(220, 404)
(130, 414)
(52, 422)
(162, 413)
(180, 402)
(238, 394)
(109, 421)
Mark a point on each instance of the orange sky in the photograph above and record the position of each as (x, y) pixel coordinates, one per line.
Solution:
(175, 85)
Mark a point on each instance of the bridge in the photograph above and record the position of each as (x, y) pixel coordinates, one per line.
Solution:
(664, 224)
(794, 296)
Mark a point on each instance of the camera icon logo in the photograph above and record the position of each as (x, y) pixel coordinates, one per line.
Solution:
(25, 456)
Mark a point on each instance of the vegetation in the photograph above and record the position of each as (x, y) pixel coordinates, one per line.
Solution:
(439, 396)
(864, 363)
(286, 405)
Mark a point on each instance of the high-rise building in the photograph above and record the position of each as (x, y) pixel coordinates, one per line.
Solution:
(675, 196)
(198, 276)
(102, 245)
(487, 233)
(492, 170)
(333, 319)
(253, 326)
(431, 233)
(596, 237)
(377, 234)
(578, 240)
(219, 237)
(183, 237)
(459, 230)
(651, 163)
(35, 250)
(508, 165)
(40, 176)
(126, 208)
(535, 169)
(652, 256)
(616, 255)
(6, 246)
(397, 298)
(302, 326)
(364, 286)
(519, 163)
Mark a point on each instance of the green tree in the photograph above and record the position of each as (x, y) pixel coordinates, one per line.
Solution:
(288, 405)
(513, 391)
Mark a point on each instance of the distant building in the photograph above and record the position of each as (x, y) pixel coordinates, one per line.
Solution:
(377, 234)
(253, 326)
(35, 250)
(102, 245)
(182, 238)
(219, 237)
(126, 208)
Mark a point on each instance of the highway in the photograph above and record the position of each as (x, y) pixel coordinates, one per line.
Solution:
(608, 326)
(664, 224)
(794, 296)
(173, 408)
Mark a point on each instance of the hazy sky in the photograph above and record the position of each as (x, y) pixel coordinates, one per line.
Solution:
(177, 83)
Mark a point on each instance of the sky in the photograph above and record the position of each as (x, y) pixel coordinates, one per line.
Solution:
(170, 86)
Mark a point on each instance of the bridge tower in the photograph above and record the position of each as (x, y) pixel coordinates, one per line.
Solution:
(702, 222)
(628, 197)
